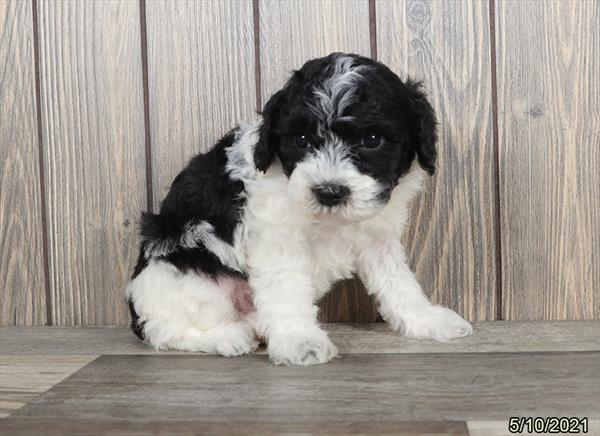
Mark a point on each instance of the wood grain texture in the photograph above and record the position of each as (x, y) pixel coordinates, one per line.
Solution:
(360, 389)
(291, 33)
(60, 427)
(549, 157)
(488, 337)
(22, 282)
(348, 301)
(24, 377)
(93, 143)
(201, 79)
(450, 242)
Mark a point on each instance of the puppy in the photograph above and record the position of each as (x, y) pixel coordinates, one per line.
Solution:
(254, 232)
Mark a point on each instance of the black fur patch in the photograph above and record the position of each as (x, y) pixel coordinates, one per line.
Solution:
(136, 326)
(203, 191)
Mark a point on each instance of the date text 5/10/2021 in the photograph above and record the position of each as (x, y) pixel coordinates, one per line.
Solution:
(547, 424)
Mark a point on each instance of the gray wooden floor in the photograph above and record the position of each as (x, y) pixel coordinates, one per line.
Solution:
(100, 380)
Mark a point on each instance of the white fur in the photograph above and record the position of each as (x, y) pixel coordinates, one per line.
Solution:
(337, 91)
(203, 234)
(293, 251)
(188, 312)
(332, 164)
(240, 155)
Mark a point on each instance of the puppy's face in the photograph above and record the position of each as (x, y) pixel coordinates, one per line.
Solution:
(345, 129)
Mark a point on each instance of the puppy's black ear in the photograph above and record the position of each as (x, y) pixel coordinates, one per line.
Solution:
(423, 134)
(266, 147)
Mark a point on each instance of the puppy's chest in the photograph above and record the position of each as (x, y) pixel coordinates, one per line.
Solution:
(333, 254)
(328, 252)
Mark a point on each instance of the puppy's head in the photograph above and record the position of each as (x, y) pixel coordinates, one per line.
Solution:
(346, 129)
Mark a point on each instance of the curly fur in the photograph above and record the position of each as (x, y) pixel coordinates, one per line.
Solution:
(253, 233)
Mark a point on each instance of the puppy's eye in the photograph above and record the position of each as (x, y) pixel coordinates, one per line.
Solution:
(371, 140)
(301, 141)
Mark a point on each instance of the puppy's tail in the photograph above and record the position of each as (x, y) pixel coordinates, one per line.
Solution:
(157, 238)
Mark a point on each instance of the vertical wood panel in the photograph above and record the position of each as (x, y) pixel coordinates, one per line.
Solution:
(22, 283)
(450, 242)
(549, 136)
(93, 132)
(295, 31)
(291, 33)
(201, 79)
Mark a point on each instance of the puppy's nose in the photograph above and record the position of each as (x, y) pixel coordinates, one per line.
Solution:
(331, 194)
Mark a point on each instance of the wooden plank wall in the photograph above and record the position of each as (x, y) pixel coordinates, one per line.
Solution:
(201, 79)
(101, 103)
(22, 277)
(92, 125)
(549, 157)
(451, 241)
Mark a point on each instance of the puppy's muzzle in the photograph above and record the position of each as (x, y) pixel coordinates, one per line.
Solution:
(331, 194)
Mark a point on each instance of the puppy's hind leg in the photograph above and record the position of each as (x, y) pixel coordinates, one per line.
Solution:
(188, 312)
(232, 339)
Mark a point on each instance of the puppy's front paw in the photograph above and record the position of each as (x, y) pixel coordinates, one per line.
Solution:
(306, 347)
(436, 322)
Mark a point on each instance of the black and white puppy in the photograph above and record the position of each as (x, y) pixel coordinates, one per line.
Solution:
(254, 232)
